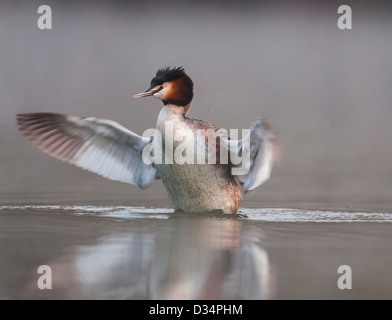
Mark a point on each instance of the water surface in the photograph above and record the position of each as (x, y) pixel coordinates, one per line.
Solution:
(124, 252)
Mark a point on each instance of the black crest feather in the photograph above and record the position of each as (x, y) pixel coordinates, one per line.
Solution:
(167, 74)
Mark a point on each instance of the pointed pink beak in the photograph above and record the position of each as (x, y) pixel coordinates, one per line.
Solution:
(144, 94)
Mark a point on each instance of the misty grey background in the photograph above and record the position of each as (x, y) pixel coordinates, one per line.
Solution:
(328, 92)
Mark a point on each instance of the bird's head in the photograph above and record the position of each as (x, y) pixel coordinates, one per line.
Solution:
(171, 85)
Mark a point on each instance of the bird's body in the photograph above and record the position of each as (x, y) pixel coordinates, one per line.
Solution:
(195, 187)
(112, 151)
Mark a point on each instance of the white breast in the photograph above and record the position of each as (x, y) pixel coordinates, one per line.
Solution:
(193, 187)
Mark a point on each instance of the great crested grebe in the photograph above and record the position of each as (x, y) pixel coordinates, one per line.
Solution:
(114, 152)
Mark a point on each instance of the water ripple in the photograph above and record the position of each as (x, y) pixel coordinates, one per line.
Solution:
(254, 214)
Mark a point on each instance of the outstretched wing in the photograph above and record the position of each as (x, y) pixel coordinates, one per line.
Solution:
(258, 151)
(97, 145)
(263, 150)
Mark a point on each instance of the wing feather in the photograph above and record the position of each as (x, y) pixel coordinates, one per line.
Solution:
(263, 152)
(97, 145)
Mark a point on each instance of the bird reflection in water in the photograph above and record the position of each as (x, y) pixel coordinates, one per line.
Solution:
(190, 258)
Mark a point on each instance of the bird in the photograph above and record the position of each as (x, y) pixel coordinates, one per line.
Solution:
(110, 150)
